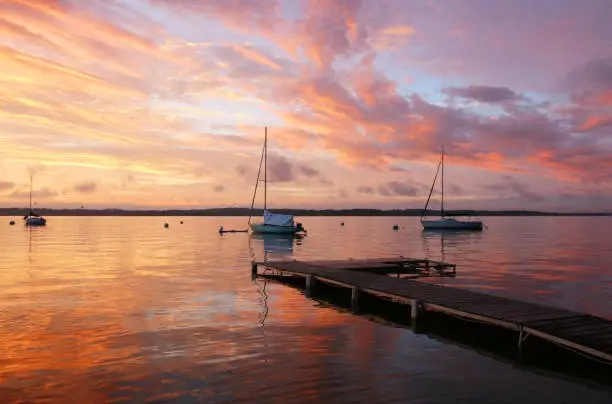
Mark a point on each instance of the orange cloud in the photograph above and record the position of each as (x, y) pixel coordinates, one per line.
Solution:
(256, 56)
(595, 121)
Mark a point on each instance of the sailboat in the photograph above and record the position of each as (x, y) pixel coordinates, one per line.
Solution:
(273, 223)
(32, 219)
(446, 223)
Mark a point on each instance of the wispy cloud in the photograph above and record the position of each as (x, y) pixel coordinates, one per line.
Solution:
(86, 187)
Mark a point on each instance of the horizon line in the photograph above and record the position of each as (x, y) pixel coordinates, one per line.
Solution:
(241, 211)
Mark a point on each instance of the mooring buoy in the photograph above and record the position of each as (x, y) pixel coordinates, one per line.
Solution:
(166, 225)
(12, 222)
(395, 227)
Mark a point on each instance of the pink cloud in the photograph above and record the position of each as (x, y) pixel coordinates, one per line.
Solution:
(486, 94)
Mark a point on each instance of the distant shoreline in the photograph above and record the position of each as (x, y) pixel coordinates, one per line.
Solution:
(295, 212)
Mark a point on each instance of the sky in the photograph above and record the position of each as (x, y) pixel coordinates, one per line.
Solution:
(163, 103)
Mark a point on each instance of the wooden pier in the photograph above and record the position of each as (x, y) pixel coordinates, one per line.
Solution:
(584, 334)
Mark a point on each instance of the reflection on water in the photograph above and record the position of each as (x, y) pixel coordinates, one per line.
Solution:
(438, 240)
(96, 310)
(274, 246)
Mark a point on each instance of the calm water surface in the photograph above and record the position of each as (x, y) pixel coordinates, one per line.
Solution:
(100, 309)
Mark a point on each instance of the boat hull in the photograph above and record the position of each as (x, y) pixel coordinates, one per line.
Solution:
(451, 224)
(261, 228)
(35, 221)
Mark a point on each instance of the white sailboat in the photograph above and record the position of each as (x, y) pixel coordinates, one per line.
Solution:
(273, 223)
(446, 223)
(32, 219)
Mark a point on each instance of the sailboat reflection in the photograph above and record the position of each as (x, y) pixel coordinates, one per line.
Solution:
(456, 240)
(275, 246)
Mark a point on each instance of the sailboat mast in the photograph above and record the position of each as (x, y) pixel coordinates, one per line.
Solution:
(442, 201)
(263, 152)
(433, 184)
(31, 180)
(266, 170)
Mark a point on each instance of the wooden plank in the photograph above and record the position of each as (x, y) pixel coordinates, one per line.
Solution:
(577, 330)
(607, 356)
(591, 336)
(578, 319)
(603, 345)
(509, 309)
(524, 319)
(602, 326)
(459, 313)
(504, 311)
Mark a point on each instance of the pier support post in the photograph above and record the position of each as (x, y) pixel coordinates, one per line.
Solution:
(355, 298)
(253, 270)
(520, 343)
(414, 310)
(308, 287)
(308, 281)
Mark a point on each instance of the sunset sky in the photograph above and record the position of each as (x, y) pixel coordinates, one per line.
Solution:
(163, 103)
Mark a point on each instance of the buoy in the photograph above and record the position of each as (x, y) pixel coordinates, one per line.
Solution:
(166, 225)
(220, 229)
(12, 222)
(181, 222)
(395, 227)
(342, 224)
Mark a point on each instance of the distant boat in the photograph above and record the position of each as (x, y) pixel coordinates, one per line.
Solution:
(446, 223)
(32, 219)
(273, 223)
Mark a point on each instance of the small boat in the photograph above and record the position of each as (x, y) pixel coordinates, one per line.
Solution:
(451, 223)
(446, 223)
(35, 220)
(222, 230)
(32, 219)
(273, 223)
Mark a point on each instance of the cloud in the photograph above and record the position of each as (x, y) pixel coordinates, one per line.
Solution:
(37, 194)
(219, 188)
(6, 186)
(594, 76)
(280, 169)
(249, 15)
(309, 171)
(86, 187)
(485, 94)
(455, 190)
(395, 128)
(396, 188)
(256, 57)
(516, 187)
(242, 170)
(365, 190)
(590, 88)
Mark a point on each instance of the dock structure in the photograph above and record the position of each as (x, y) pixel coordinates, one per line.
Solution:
(582, 333)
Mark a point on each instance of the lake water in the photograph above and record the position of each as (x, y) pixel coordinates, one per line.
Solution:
(120, 309)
